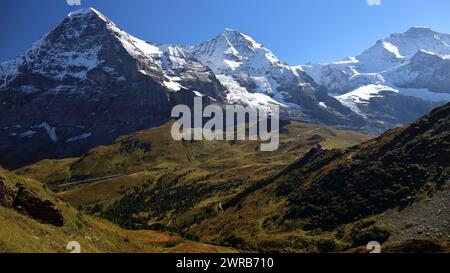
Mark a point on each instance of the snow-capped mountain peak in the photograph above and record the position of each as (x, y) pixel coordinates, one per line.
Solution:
(421, 38)
(386, 55)
(77, 45)
(132, 44)
(412, 66)
(395, 48)
(237, 55)
(231, 50)
(87, 12)
(418, 31)
(254, 76)
(88, 81)
(239, 40)
(399, 48)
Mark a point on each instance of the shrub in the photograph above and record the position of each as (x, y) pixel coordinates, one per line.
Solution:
(363, 236)
(234, 241)
(326, 245)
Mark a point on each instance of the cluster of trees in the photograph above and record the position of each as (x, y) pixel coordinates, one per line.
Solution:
(366, 231)
(168, 195)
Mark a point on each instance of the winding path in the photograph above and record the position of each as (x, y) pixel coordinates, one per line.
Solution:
(90, 180)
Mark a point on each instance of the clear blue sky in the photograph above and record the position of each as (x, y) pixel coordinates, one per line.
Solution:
(297, 31)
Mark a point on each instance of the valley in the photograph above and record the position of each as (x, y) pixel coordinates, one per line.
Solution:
(181, 189)
(232, 195)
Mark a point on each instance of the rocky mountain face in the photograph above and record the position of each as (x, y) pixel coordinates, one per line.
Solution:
(87, 82)
(25, 201)
(404, 75)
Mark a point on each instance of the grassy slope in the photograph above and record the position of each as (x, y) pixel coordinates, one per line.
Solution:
(148, 154)
(22, 233)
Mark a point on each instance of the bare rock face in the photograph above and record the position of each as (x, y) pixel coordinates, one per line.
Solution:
(87, 82)
(428, 71)
(26, 202)
(41, 210)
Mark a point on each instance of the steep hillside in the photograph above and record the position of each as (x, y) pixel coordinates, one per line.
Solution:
(393, 189)
(390, 171)
(33, 219)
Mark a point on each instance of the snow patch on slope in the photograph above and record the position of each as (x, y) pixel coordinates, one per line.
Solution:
(362, 95)
(78, 138)
(393, 49)
(51, 131)
(173, 85)
(239, 95)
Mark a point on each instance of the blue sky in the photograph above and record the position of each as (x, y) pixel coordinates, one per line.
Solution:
(297, 31)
